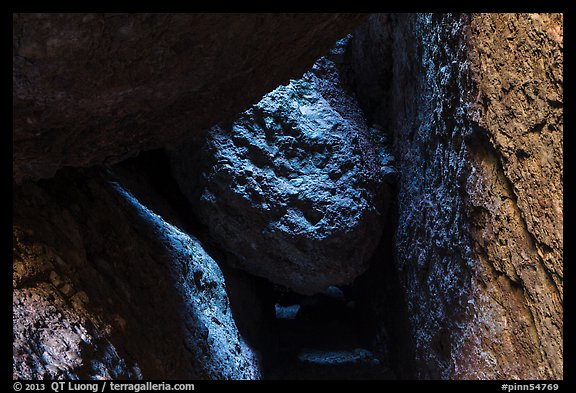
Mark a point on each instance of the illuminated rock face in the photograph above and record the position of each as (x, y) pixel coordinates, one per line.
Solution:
(98, 88)
(105, 288)
(294, 187)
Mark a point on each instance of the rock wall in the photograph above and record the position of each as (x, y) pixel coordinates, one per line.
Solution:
(98, 88)
(475, 106)
(105, 288)
(515, 194)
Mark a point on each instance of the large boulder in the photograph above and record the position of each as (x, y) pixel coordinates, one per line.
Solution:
(292, 187)
(97, 88)
(106, 289)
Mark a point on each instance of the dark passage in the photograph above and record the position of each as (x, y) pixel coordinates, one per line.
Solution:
(326, 337)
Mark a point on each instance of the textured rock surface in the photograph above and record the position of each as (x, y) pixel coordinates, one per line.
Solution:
(515, 194)
(93, 88)
(105, 288)
(293, 187)
(520, 107)
(476, 109)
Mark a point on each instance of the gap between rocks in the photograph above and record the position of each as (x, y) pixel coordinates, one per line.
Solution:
(338, 334)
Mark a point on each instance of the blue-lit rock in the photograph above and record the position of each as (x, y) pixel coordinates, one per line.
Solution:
(293, 187)
(104, 288)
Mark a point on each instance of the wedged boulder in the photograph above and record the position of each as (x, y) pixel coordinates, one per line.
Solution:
(105, 288)
(293, 187)
(97, 88)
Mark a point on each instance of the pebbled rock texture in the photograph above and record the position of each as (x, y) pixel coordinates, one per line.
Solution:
(294, 187)
(103, 288)
(97, 88)
(476, 111)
